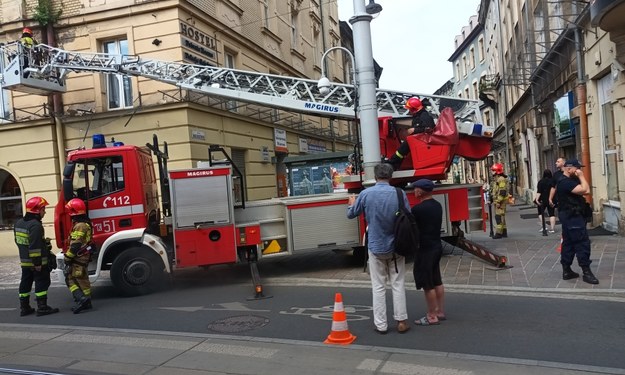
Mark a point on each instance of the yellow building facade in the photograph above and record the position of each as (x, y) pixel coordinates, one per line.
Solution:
(269, 36)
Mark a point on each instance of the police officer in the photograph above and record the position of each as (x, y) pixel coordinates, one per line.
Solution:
(78, 255)
(34, 255)
(422, 122)
(570, 191)
(499, 197)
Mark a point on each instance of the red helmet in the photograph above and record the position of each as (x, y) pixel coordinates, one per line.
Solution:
(497, 168)
(35, 204)
(76, 207)
(413, 104)
(27, 30)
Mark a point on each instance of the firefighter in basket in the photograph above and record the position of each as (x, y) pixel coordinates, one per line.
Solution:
(499, 197)
(78, 255)
(422, 122)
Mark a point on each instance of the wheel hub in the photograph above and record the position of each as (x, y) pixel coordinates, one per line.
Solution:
(137, 272)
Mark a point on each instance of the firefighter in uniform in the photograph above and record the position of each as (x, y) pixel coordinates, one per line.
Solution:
(78, 255)
(35, 252)
(28, 41)
(422, 122)
(499, 196)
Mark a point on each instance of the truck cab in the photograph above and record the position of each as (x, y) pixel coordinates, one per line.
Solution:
(118, 186)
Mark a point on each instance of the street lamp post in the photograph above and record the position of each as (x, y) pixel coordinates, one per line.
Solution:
(324, 83)
(368, 107)
(364, 83)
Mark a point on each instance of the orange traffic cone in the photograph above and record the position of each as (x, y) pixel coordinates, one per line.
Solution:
(559, 248)
(340, 334)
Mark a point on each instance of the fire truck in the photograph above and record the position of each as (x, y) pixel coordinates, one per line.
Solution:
(200, 216)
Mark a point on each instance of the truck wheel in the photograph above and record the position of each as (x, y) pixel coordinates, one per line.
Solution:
(137, 271)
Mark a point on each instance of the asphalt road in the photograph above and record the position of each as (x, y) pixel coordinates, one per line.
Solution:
(565, 330)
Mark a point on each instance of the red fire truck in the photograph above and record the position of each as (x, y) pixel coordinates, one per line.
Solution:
(200, 216)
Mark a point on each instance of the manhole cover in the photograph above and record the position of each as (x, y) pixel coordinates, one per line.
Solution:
(236, 324)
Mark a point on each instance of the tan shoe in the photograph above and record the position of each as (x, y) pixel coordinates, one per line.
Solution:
(403, 326)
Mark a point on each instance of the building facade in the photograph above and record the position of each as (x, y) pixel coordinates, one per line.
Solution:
(277, 37)
(562, 83)
(471, 64)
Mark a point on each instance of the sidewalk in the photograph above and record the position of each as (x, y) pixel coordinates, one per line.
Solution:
(76, 350)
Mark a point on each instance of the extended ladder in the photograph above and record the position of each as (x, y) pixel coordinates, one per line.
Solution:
(49, 66)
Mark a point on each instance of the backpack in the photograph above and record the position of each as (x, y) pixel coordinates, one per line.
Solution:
(406, 230)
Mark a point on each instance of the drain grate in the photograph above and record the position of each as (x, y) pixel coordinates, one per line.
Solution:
(235, 324)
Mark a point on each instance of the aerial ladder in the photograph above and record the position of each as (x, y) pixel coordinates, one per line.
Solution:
(43, 69)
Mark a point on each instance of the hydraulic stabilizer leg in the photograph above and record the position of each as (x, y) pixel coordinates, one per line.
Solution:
(457, 239)
(251, 254)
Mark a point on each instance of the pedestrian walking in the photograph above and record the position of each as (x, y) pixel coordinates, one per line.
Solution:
(557, 176)
(35, 253)
(543, 189)
(499, 197)
(78, 255)
(379, 204)
(571, 212)
(427, 273)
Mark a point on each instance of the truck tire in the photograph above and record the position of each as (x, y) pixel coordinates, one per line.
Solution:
(137, 271)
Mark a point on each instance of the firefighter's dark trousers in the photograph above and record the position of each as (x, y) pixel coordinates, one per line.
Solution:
(40, 278)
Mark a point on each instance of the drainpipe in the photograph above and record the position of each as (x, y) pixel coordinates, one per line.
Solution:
(57, 108)
(580, 90)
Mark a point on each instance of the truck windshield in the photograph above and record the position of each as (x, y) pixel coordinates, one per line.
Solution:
(98, 176)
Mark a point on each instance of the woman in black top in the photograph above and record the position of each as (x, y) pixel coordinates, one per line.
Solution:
(542, 201)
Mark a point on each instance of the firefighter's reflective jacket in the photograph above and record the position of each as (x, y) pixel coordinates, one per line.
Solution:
(29, 237)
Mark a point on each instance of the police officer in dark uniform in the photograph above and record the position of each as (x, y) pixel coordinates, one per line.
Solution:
(422, 122)
(34, 255)
(571, 205)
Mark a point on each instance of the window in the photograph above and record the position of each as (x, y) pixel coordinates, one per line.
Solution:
(10, 200)
(317, 48)
(294, 30)
(118, 87)
(610, 137)
(96, 177)
(472, 58)
(476, 93)
(457, 71)
(464, 65)
(265, 13)
(229, 62)
(480, 50)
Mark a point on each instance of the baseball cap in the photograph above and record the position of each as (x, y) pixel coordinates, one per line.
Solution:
(424, 184)
(573, 163)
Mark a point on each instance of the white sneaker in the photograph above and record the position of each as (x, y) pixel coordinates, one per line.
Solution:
(551, 231)
(540, 230)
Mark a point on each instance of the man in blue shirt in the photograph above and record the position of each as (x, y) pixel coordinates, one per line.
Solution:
(379, 205)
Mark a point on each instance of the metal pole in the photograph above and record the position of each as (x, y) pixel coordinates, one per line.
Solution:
(368, 109)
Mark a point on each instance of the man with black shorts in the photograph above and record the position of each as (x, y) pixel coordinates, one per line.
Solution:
(543, 190)
(427, 274)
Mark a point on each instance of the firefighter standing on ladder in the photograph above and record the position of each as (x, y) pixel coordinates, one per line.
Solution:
(499, 196)
(78, 255)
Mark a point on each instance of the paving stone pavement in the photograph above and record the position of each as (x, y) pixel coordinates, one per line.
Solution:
(534, 262)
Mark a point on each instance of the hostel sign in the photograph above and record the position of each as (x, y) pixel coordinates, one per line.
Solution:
(198, 47)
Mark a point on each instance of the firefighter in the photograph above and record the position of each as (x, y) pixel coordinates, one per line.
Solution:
(499, 196)
(29, 42)
(78, 255)
(422, 122)
(35, 253)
